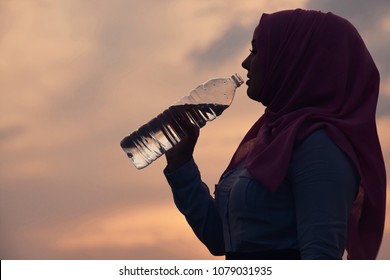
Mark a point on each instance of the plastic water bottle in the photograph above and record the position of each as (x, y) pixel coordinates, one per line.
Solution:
(204, 103)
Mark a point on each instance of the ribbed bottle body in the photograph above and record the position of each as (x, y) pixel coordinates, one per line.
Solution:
(203, 104)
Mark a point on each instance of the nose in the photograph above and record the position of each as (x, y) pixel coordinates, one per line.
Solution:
(246, 63)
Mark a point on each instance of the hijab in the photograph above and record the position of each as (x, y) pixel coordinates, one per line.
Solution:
(317, 73)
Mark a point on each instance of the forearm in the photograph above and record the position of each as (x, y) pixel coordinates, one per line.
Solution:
(192, 198)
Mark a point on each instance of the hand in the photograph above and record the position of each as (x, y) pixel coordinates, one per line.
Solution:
(182, 152)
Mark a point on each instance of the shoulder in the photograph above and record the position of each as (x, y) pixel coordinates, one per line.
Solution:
(318, 153)
(317, 139)
(317, 144)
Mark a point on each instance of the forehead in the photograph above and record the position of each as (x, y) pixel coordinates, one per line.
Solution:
(256, 33)
(260, 27)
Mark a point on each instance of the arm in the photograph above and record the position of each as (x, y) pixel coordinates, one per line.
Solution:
(193, 199)
(325, 183)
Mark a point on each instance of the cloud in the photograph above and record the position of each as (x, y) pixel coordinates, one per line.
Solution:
(361, 11)
(10, 132)
(223, 48)
(383, 124)
(383, 107)
(127, 233)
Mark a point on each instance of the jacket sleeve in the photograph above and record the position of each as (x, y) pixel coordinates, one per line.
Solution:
(325, 183)
(192, 198)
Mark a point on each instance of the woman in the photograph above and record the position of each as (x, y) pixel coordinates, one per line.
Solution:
(308, 179)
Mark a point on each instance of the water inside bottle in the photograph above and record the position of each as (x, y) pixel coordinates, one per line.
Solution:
(151, 140)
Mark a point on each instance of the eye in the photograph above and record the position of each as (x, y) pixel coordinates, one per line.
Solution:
(253, 49)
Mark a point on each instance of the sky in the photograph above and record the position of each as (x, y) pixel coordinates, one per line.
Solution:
(77, 76)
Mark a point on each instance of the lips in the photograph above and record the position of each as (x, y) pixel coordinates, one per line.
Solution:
(249, 78)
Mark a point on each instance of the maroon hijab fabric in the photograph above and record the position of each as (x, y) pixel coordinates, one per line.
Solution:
(318, 73)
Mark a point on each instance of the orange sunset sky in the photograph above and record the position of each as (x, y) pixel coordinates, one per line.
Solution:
(77, 76)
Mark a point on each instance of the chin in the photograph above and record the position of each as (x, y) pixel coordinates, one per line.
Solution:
(252, 95)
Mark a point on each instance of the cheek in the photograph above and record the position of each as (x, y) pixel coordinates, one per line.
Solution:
(256, 67)
(256, 74)
(255, 83)
(253, 89)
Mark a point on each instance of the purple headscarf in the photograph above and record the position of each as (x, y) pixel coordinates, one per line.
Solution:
(318, 73)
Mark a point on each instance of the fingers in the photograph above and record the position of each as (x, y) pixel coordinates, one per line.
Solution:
(182, 152)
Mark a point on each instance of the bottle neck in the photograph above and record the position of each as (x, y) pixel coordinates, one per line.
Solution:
(238, 81)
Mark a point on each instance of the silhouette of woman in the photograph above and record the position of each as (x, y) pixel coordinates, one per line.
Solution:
(308, 179)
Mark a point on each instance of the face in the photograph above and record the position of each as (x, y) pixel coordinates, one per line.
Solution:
(251, 64)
